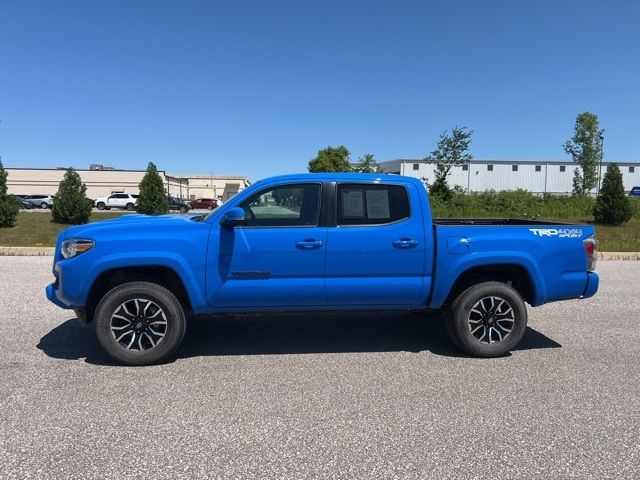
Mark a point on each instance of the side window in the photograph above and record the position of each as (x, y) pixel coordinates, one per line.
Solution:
(285, 206)
(372, 204)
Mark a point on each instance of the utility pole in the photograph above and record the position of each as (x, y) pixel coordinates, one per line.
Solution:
(600, 166)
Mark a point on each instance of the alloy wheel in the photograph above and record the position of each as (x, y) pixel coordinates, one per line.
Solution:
(491, 320)
(138, 324)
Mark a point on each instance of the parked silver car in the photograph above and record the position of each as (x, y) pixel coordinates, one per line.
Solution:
(37, 201)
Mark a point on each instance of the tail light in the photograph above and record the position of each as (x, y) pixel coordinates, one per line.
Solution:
(591, 252)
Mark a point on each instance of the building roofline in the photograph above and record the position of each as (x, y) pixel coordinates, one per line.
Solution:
(62, 169)
(519, 162)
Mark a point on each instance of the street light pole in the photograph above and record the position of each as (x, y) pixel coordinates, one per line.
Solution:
(600, 166)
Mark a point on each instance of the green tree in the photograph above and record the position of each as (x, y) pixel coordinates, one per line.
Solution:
(331, 159)
(612, 206)
(153, 199)
(367, 164)
(585, 148)
(452, 150)
(71, 205)
(9, 207)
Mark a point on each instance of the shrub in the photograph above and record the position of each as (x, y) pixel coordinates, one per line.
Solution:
(439, 189)
(71, 206)
(9, 207)
(613, 206)
(518, 203)
(635, 207)
(153, 199)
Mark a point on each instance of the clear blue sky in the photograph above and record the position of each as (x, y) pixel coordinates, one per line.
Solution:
(256, 88)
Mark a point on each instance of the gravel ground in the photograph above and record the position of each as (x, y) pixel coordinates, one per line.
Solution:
(322, 396)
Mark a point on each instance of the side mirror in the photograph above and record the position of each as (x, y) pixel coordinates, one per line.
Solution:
(233, 217)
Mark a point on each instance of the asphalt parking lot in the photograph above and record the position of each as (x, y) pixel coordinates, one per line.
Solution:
(322, 396)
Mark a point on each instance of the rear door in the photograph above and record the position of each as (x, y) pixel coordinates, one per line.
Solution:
(376, 250)
(277, 258)
(117, 200)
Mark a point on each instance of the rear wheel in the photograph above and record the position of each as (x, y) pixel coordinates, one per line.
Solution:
(130, 206)
(488, 319)
(140, 323)
(101, 206)
(184, 209)
(210, 207)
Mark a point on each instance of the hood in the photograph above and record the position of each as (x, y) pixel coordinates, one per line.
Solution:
(125, 222)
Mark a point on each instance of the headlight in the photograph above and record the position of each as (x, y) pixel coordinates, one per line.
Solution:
(75, 246)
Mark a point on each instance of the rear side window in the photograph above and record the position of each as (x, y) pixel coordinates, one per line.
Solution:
(360, 204)
(285, 206)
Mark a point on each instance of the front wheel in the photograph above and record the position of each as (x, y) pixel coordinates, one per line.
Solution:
(130, 206)
(101, 206)
(140, 323)
(488, 319)
(44, 205)
(184, 209)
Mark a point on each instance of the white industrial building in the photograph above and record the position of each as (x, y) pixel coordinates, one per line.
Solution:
(482, 175)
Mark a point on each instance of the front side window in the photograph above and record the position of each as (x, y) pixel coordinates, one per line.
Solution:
(285, 206)
(371, 204)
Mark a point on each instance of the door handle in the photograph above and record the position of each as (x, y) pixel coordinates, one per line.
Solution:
(309, 244)
(405, 243)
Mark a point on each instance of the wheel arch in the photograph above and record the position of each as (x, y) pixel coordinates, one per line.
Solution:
(512, 274)
(158, 274)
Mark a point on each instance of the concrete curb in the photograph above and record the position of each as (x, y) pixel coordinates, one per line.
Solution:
(26, 251)
(619, 255)
(40, 251)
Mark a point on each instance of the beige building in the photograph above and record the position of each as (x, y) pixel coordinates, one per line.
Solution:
(103, 181)
(222, 187)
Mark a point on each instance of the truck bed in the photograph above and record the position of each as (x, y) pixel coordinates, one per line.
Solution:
(494, 221)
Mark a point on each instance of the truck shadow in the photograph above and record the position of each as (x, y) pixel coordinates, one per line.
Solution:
(274, 334)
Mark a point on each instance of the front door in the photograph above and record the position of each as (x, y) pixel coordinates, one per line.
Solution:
(376, 251)
(277, 257)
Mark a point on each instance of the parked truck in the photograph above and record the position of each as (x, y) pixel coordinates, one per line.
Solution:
(317, 242)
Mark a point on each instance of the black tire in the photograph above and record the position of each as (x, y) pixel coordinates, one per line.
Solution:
(101, 206)
(174, 329)
(44, 205)
(130, 206)
(28, 206)
(210, 207)
(500, 341)
(184, 209)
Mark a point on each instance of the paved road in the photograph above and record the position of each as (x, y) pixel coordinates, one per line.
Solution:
(316, 396)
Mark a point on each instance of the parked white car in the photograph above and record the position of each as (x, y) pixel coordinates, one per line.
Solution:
(117, 200)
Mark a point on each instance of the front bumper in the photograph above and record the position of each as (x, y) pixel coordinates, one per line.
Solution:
(52, 295)
(593, 281)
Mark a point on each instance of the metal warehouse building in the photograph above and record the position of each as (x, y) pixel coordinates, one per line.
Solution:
(102, 181)
(482, 175)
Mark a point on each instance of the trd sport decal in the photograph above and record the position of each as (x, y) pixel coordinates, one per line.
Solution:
(557, 232)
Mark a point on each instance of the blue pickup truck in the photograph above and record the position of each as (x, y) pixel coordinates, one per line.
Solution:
(317, 242)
